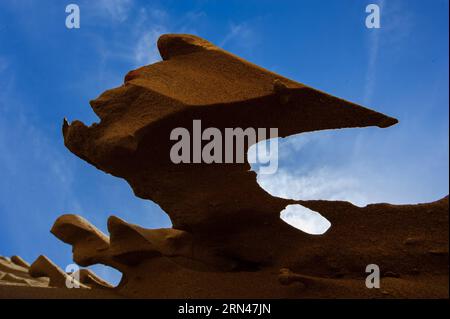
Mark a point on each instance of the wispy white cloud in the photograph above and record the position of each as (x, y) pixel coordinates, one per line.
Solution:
(241, 36)
(321, 183)
(33, 171)
(37, 182)
(340, 165)
(146, 51)
(360, 180)
(117, 10)
(314, 178)
(138, 45)
(396, 26)
(236, 31)
(37, 176)
(151, 24)
(374, 48)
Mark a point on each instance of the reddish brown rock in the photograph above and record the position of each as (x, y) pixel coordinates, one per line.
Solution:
(19, 261)
(227, 238)
(197, 80)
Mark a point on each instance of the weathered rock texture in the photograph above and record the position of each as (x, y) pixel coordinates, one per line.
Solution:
(409, 243)
(227, 238)
(197, 80)
(43, 273)
(14, 272)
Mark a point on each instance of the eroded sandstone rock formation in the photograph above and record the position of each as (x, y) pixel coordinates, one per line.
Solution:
(409, 243)
(14, 271)
(227, 238)
(43, 273)
(197, 80)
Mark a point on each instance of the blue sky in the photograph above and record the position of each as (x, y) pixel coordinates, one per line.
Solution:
(48, 72)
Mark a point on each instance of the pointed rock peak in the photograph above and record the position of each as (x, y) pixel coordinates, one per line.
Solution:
(125, 236)
(44, 267)
(116, 222)
(65, 126)
(120, 230)
(20, 262)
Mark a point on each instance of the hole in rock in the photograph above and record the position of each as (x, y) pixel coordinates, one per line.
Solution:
(111, 275)
(305, 219)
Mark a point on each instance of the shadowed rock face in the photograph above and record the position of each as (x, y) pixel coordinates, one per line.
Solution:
(197, 80)
(408, 242)
(227, 238)
(88, 242)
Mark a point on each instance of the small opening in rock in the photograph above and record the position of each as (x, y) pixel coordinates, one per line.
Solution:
(305, 219)
(111, 275)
